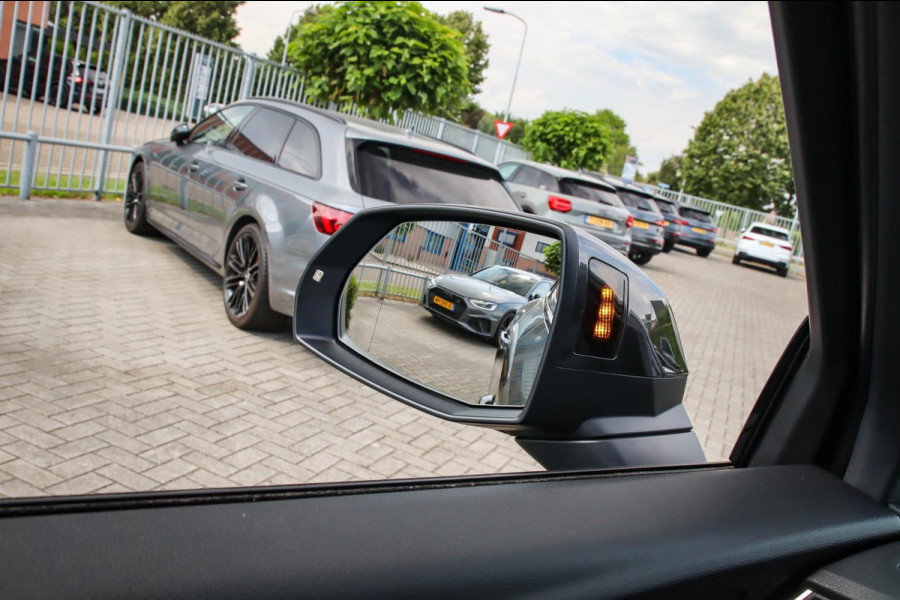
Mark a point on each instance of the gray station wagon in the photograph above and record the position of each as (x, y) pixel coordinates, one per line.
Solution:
(255, 189)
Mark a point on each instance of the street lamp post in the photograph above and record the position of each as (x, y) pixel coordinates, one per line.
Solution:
(287, 36)
(518, 62)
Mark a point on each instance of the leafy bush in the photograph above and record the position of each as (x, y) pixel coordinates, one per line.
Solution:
(571, 139)
(350, 300)
(553, 258)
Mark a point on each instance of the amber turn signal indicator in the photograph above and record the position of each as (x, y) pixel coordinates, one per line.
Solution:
(606, 312)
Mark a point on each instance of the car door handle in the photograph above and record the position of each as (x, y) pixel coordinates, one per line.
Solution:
(194, 167)
(240, 185)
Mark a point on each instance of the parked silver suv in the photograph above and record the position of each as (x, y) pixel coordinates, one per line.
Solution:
(256, 188)
(572, 198)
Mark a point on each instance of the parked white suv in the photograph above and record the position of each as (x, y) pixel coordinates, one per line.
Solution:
(767, 245)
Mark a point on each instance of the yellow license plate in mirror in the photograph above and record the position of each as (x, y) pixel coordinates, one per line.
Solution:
(665, 223)
(598, 222)
(768, 244)
(438, 301)
(641, 225)
(699, 230)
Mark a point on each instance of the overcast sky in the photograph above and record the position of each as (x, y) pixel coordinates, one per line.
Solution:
(660, 65)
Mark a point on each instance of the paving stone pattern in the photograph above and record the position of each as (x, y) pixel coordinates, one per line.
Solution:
(119, 371)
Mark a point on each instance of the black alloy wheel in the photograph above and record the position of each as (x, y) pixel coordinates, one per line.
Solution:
(135, 203)
(505, 322)
(245, 288)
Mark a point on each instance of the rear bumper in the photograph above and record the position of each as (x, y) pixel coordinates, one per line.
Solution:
(697, 243)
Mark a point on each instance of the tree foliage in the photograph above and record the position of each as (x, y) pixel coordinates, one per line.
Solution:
(213, 20)
(739, 153)
(475, 42)
(553, 258)
(619, 140)
(384, 57)
(309, 16)
(670, 172)
(568, 138)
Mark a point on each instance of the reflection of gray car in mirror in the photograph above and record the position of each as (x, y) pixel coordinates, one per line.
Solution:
(485, 301)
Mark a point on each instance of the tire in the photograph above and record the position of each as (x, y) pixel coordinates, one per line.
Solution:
(504, 324)
(50, 98)
(783, 271)
(136, 204)
(668, 246)
(640, 258)
(245, 287)
(735, 260)
(704, 252)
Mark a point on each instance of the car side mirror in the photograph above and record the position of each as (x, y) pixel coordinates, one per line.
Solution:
(180, 133)
(404, 299)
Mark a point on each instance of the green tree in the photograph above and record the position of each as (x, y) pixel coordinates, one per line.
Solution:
(211, 20)
(148, 9)
(620, 141)
(474, 40)
(309, 15)
(670, 172)
(739, 153)
(553, 258)
(571, 139)
(384, 57)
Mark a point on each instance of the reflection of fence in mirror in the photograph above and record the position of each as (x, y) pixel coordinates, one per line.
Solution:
(425, 310)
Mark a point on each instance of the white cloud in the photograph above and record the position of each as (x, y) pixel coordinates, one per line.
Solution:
(660, 65)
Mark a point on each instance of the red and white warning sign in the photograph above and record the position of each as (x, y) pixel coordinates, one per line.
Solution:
(502, 128)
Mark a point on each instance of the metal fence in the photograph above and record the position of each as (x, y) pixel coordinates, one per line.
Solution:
(83, 84)
(732, 220)
(401, 264)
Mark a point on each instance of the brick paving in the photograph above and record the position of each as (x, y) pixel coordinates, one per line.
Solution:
(119, 371)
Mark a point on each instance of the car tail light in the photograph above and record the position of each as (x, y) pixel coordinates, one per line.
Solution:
(681, 222)
(603, 320)
(629, 222)
(746, 237)
(78, 79)
(327, 219)
(559, 204)
(786, 247)
(660, 223)
(714, 229)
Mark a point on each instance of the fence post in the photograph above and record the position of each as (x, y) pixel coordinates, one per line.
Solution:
(442, 124)
(27, 174)
(249, 73)
(112, 99)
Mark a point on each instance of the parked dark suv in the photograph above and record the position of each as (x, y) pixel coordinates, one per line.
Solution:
(647, 232)
(671, 221)
(698, 230)
(71, 82)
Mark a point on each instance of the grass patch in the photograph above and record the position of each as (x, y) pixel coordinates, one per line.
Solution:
(54, 181)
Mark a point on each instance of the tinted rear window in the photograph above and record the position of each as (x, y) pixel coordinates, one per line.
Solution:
(406, 176)
(695, 215)
(778, 235)
(638, 201)
(667, 208)
(584, 189)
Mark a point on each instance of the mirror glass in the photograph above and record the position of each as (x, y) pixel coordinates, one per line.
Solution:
(462, 308)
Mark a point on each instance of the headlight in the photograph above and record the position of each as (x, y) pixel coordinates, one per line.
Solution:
(483, 305)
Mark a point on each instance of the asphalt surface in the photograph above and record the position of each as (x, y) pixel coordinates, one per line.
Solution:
(120, 372)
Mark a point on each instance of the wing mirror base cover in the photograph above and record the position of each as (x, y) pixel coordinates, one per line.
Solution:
(575, 397)
(180, 133)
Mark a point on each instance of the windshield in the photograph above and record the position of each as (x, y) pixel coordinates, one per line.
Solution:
(588, 191)
(638, 201)
(411, 176)
(512, 280)
(695, 215)
(772, 233)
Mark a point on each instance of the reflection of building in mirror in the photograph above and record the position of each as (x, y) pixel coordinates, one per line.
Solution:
(470, 278)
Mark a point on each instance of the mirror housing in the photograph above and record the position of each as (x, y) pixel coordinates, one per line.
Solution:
(595, 403)
(180, 133)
